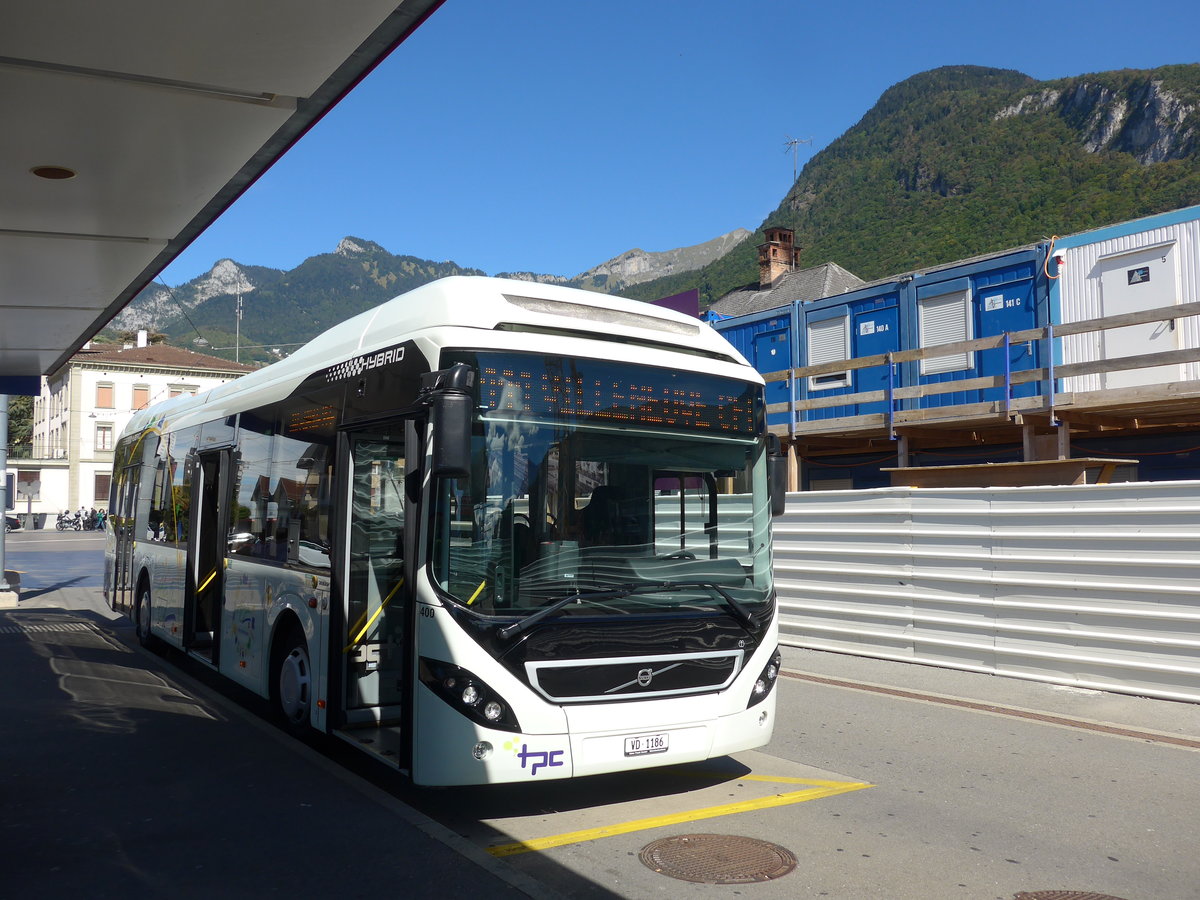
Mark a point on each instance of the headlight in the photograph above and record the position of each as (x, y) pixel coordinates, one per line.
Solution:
(468, 694)
(766, 679)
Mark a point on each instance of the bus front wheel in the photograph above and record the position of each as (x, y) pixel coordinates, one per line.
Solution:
(292, 682)
(142, 617)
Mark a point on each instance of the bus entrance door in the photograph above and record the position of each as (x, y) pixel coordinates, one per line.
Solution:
(206, 581)
(118, 574)
(375, 627)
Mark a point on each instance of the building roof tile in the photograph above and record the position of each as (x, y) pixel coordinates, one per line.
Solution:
(804, 285)
(160, 356)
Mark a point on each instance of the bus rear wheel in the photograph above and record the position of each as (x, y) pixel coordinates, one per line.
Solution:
(292, 682)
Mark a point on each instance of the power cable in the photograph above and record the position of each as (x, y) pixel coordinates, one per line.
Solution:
(182, 311)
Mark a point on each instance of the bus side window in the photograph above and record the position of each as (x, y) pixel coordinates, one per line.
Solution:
(299, 475)
(252, 505)
(181, 499)
(302, 476)
(159, 493)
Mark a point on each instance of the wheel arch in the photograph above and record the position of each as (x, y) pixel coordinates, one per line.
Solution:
(287, 621)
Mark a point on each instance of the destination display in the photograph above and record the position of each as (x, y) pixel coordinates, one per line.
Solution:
(599, 391)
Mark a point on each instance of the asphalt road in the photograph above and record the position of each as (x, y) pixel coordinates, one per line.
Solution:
(1026, 788)
(961, 803)
(49, 560)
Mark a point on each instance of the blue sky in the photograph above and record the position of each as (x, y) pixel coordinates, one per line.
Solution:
(550, 136)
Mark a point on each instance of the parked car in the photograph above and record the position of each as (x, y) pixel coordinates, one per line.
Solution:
(11, 523)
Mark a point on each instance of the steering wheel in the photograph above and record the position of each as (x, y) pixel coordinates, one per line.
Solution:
(680, 554)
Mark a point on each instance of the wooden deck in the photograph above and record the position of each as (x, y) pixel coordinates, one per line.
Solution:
(1043, 424)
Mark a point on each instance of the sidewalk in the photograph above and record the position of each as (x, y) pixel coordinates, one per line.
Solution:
(1121, 710)
(121, 777)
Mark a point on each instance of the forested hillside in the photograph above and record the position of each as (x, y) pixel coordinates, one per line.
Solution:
(965, 160)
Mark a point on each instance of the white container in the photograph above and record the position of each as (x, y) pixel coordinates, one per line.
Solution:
(1143, 264)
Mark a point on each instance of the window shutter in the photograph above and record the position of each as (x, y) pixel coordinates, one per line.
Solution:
(101, 484)
(944, 320)
(827, 343)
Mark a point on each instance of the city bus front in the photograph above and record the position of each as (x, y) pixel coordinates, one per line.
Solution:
(598, 590)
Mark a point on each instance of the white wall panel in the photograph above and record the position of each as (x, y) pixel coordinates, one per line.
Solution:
(1090, 585)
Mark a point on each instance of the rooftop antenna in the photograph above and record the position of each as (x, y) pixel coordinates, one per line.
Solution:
(793, 144)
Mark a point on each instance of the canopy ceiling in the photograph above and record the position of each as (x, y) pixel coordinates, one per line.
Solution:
(165, 111)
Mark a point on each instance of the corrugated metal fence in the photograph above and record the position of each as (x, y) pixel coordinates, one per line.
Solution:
(1093, 585)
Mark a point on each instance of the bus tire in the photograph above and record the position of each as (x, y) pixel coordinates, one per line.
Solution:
(141, 614)
(292, 681)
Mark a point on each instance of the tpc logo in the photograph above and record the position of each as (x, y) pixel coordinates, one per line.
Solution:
(535, 759)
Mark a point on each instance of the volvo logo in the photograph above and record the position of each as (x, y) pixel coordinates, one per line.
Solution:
(643, 678)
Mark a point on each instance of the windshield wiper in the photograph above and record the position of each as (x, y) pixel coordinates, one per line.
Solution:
(529, 621)
(735, 606)
(732, 603)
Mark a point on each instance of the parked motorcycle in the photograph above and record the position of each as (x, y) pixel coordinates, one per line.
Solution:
(69, 522)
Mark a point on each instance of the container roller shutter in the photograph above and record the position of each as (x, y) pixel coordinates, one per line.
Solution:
(945, 320)
(828, 341)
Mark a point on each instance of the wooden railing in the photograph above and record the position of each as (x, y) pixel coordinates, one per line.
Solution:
(1047, 401)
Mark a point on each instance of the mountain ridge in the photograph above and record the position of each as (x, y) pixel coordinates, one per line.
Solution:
(357, 274)
(951, 163)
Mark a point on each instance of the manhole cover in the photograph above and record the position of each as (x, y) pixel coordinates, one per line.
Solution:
(717, 859)
(1063, 895)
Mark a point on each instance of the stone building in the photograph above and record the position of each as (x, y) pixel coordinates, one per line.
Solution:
(82, 409)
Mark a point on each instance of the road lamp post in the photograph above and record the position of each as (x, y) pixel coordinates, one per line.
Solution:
(237, 335)
(8, 597)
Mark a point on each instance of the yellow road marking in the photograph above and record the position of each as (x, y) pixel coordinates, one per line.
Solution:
(816, 790)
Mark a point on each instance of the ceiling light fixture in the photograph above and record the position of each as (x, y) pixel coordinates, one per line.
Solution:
(53, 173)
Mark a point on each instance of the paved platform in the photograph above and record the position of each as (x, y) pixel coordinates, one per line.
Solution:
(122, 777)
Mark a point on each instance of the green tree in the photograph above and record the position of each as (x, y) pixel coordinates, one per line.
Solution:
(20, 427)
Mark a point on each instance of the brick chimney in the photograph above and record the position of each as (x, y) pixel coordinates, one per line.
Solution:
(777, 255)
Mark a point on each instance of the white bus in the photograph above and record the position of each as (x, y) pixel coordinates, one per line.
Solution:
(489, 531)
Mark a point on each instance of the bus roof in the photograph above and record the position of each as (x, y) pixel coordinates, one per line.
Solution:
(472, 302)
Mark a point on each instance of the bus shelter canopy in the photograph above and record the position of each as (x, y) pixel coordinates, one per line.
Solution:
(130, 125)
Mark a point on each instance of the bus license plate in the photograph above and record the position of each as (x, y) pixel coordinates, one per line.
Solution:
(645, 743)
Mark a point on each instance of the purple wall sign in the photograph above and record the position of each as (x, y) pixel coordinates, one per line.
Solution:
(687, 303)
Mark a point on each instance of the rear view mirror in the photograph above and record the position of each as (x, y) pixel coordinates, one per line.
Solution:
(451, 424)
(777, 475)
(450, 399)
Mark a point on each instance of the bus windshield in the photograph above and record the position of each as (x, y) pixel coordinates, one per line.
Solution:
(587, 498)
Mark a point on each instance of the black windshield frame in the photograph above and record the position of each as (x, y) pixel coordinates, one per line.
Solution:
(688, 504)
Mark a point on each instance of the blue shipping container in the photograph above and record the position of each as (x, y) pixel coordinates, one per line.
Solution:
(765, 339)
(1003, 293)
(861, 323)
